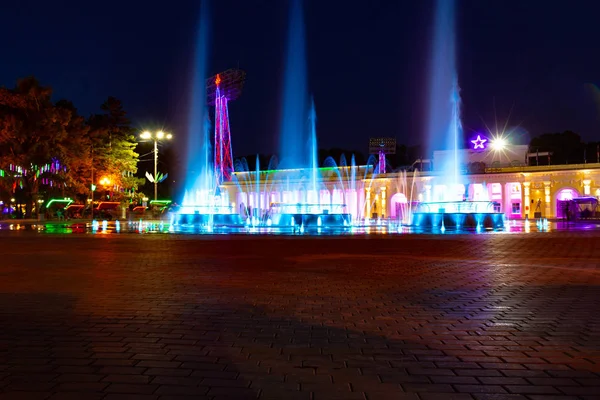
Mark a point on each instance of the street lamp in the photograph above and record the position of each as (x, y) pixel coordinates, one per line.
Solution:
(156, 137)
(498, 143)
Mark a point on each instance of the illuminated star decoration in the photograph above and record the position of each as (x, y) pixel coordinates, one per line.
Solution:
(478, 143)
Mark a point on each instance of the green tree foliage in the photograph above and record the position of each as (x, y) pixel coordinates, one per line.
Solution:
(113, 146)
(34, 132)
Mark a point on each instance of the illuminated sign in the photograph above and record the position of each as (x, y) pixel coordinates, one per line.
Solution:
(479, 143)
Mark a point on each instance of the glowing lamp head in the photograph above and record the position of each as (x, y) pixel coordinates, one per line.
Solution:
(146, 135)
(160, 134)
(105, 181)
(218, 80)
(169, 136)
(498, 143)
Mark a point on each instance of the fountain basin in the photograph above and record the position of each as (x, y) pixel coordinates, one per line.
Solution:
(458, 215)
(213, 220)
(458, 221)
(308, 215)
(312, 220)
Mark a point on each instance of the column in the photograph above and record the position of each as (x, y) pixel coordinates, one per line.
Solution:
(383, 202)
(368, 203)
(547, 200)
(586, 186)
(526, 206)
(427, 193)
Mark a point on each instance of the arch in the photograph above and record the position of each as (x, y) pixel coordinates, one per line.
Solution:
(397, 203)
(566, 193)
(562, 198)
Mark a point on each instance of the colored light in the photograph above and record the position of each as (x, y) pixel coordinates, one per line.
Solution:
(161, 202)
(67, 202)
(479, 143)
(218, 80)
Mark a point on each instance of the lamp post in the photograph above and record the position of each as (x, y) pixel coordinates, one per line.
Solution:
(156, 137)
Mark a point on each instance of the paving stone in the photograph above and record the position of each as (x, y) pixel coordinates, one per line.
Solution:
(484, 317)
(445, 396)
(24, 395)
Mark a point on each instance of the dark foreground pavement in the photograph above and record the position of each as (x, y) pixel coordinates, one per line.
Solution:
(412, 317)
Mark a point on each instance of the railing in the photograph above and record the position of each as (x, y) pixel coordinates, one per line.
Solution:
(541, 168)
(306, 208)
(463, 207)
(204, 209)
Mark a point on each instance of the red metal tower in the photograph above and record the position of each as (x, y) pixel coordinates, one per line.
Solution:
(222, 88)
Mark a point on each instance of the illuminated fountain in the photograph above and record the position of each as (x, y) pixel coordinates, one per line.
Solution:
(307, 203)
(452, 206)
(403, 207)
(309, 197)
(295, 196)
(205, 204)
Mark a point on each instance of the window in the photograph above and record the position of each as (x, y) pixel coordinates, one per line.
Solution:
(516, 208)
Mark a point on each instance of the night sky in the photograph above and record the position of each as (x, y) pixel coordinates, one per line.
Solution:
(367, 63)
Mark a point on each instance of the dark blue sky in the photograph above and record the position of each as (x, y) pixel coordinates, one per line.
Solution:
(367, 62)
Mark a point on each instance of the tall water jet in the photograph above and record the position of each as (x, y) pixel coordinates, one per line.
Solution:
(204, 206)
(199, 167)
(293, 138)
(314, 153)
(444, 130)
(449, 208)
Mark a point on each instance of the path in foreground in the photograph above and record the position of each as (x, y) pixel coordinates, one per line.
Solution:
(413, 317)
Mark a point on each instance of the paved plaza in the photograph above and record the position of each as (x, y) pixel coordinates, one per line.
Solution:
(487, 317)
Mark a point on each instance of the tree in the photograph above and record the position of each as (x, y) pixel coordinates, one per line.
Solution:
(40, 143)
(113, 147)
(76, 159)
(566, 147)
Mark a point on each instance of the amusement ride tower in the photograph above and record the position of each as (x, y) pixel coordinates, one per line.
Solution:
(220, 90)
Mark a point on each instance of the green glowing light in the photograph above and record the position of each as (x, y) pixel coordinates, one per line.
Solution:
(65, 201)
(161, 202)
(272, 171)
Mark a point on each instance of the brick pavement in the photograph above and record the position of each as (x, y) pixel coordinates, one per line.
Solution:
(189, 317)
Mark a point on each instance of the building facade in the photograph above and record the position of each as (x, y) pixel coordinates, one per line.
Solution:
(518, 190)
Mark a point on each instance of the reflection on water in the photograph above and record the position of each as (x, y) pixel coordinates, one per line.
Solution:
(162, 227)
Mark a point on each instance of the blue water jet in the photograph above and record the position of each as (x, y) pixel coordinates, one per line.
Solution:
(199, 176)
(293, 129)
(444, 130)
(314, 156)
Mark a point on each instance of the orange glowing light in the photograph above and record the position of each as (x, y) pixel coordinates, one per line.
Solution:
(218, 80)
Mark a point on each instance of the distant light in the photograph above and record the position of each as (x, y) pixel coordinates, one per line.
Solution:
(498, 143)
(146, 135)
(105, 181)
(169, 136)
(160, 134)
